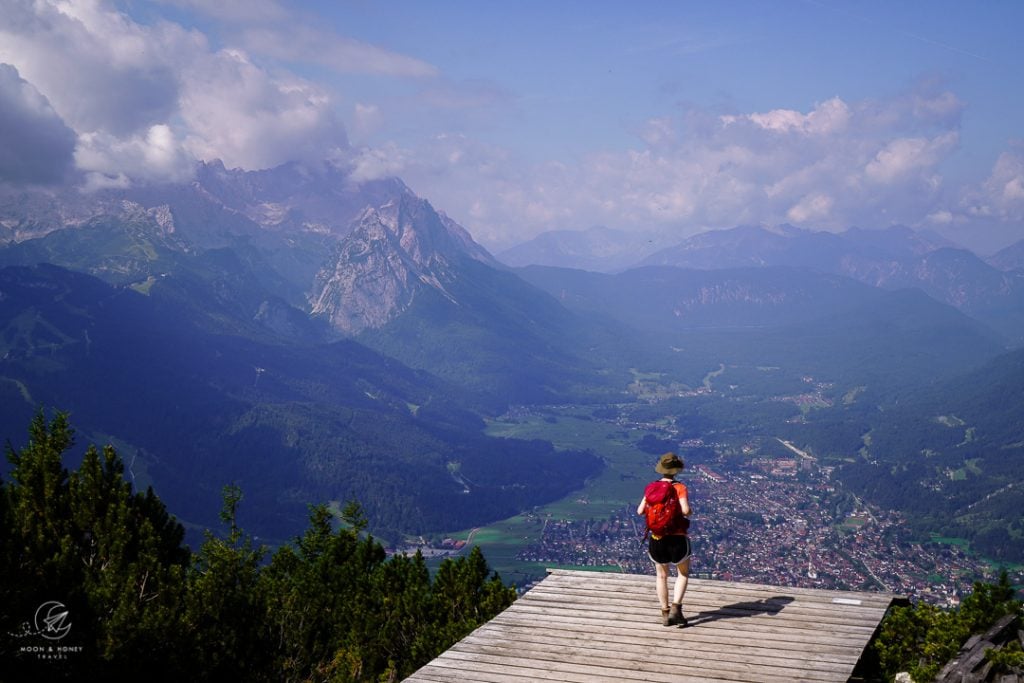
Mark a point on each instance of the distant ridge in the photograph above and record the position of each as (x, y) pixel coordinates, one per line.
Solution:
(894, 258)
(598, 249)
(1010, 258)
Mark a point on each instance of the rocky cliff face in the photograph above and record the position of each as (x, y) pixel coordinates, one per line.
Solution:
(392, 252)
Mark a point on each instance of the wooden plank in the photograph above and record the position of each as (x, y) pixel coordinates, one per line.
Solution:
(712, 611)
(589, 626)
(708, 640)
(528, 637)
(778, 630)
(638, 581)
(777, 598)
(638, 657)
(562, 617)
(715, 643)
(654, 670)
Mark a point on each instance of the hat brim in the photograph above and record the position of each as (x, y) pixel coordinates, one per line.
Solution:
(667, 470)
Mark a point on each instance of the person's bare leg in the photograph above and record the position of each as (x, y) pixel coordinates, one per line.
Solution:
(681, 580)
(662, 577)
(661, 572)
(675, 614)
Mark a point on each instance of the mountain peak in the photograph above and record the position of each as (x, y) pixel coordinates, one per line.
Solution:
(393, 251)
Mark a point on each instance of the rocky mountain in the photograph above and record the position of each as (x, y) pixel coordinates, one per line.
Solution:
(597, 249)
(890, 259)
(220, 329)
(392, 252)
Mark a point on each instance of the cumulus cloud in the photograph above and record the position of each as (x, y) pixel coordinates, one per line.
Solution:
(1001, 195)
(811, 207)
(155, 155)
(36, 146)
(99, 70)
(148, 100)
(905, 156)
(829, 117)
(373, 163)
(243, 115)
(836, 164)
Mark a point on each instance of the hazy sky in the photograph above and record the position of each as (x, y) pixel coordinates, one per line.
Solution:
(521, 117)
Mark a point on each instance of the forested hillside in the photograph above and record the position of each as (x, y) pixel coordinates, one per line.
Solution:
(95, 584)
(195, 409)
(949, 455)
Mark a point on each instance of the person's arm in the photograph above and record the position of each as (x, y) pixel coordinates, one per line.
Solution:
(642, 506)
(684, 502)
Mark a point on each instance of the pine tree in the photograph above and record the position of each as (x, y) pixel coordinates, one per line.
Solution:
(332, 606)
(133, 564)
(226, 606)
(113, 559)
(922, 638)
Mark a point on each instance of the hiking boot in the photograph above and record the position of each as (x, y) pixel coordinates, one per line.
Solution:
(675, 616)
(665, 619)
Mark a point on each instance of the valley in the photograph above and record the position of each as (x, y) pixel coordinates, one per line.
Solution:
(760, 515)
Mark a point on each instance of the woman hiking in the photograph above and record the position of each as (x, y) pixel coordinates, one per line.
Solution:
(666, 507)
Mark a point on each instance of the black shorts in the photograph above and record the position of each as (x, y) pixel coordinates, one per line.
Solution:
(669, 549)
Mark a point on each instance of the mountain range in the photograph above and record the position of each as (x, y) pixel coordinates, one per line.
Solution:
(893, 258)
(312, 337)
(202, 326)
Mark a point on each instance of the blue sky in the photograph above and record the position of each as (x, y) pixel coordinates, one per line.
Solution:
(517, 118)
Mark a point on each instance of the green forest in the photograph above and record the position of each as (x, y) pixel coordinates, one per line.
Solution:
(329, 606)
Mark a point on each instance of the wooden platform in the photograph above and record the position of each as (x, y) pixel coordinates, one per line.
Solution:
(590, 626)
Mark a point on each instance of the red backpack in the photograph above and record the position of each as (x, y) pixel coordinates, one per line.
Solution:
(664, 516)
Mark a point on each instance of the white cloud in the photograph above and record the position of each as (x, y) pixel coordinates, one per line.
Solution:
(1001, 195)
(155, 155)
(147, 100)
(838, 164)
(99, 70)
(812, 207)
(941, 217)
(828, 117)
(902, 157)
(243, 115)
(379, 162)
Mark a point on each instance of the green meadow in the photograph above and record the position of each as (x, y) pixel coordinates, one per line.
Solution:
(620, 483)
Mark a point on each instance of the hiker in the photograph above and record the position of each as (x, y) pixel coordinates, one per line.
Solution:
(666, 507)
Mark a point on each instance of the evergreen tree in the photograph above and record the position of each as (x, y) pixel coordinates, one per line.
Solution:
(331, 606)
(132, 563)
(225, 604)
(112, 559)
(467, 593)
(922, 638)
